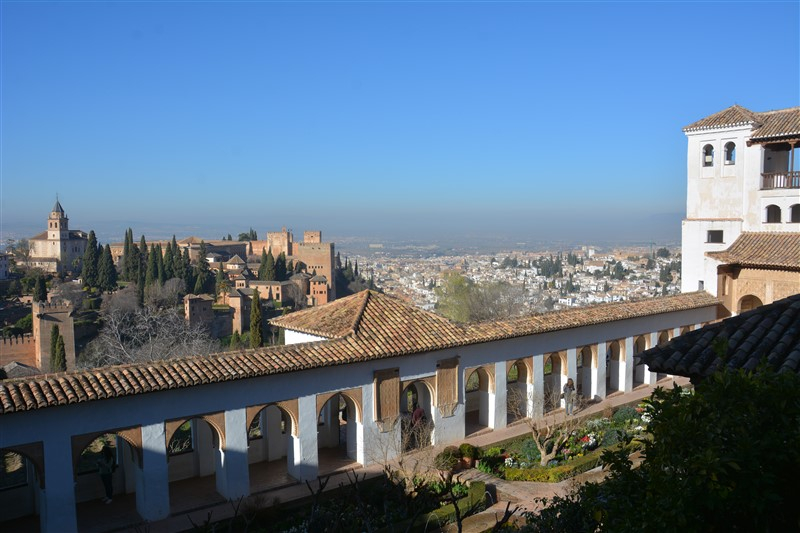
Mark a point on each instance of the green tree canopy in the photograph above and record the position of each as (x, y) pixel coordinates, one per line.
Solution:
(106, 271)
(90, 259)
(58, 363)
(256, 322)
(280, 267)
(266, 272)
(722, 459)
(40, 290)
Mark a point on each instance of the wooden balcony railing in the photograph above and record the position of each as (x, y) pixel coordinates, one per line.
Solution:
(780, 180)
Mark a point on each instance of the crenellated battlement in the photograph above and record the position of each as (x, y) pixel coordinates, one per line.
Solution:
(17, 340)
(48, 307)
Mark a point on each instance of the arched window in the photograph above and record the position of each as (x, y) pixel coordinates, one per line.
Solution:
(708, 156)
(473, 382)
(730, 153)
(773, 214)
(794, 215)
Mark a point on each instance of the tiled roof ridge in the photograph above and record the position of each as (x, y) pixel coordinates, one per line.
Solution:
(360, 313)
(389, 339)
(770, 332)
(779, 249)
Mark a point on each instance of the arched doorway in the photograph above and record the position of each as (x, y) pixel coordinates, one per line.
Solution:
(585, 361)
(639, 345)
(615, 357)
(664, 337)
(91, 505)
(337, 436)
(269, 445)
(419, 432)
(748, 303)
(555, 368)
(518, 396)
(194, 454)
(477, 388)
(20, 491)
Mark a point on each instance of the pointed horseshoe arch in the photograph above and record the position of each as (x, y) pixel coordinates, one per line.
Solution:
(287, 407)
(215, 420)
(133, 436)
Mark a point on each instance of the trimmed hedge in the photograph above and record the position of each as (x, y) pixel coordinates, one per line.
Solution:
(556, 474)
(473, 502)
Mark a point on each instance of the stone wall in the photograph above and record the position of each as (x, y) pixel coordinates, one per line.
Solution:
(21, 349)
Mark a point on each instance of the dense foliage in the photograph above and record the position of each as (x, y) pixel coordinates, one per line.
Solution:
(722, 459)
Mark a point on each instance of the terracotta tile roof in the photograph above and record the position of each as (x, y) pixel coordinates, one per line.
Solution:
(584, 316)
(776, 124)
(365, 326)
(762, 249)
(735, 115)
(768, 125)
(770, 332)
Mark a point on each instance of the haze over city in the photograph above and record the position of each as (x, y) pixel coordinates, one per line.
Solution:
(420, 120)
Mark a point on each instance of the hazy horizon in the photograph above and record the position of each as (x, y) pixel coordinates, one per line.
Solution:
(421, 120)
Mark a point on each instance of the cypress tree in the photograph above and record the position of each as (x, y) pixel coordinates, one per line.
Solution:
(269, 268)
(220, 281)
(280, 267)
(151, 273)
(59, 361)
(255, 320)
(236, 340)
(161, 275)
(290, 268)
(203, 273)
(262, 267)
(355, 270)
(188, 271)
(126, 254)
(89, 270)
(106, 273)
(169, 269)
(54, 334)
(40, 290)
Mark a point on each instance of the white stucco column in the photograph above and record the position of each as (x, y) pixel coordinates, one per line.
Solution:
(498, 413)
(233, 476)
(626, 367)
(599, 373)
(152, 476)
(572, 372)
(302, 457)
(650, 377)
(537, 406)
(57, 506)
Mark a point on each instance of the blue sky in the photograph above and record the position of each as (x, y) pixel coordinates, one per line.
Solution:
(520, 119)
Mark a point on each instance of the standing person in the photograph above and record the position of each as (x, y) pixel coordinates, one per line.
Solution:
(569, 396)
(417, 415)
(105, 466)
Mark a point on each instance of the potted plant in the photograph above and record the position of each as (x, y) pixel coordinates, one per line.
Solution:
(447, 461)
(469, 454)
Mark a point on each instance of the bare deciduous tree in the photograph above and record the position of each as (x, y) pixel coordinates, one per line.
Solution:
(139, 334)
(548, 434)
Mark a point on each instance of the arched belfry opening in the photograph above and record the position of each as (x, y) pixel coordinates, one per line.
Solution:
(416, 416)
(194, 458)
(270, 441)
(519, 392)
(478, 395)
(615, 359)
(337, 434)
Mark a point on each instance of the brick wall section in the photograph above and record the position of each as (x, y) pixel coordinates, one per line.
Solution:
(45, 316)
(21, 349)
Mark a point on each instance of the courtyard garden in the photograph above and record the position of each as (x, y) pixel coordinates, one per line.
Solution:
(569, 449)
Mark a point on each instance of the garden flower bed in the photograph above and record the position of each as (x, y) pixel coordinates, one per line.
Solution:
(519, 460)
